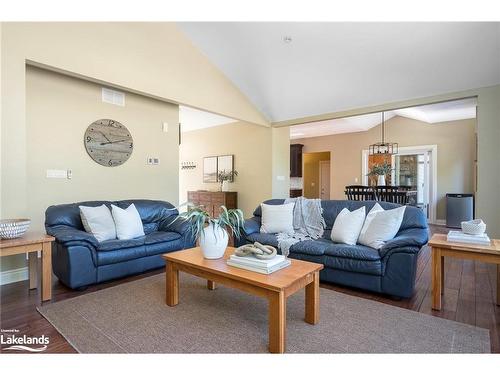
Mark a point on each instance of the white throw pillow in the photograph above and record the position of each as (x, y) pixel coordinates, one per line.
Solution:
(98, 222)
(347, 226)
(128, 222)
(371, 214)
(277, 218)
(381, 226)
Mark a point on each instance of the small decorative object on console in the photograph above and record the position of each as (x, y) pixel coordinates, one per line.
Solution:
(225, 177)
(475, 227)
(13, 228)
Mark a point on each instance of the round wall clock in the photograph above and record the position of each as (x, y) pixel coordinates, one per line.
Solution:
(108, 142)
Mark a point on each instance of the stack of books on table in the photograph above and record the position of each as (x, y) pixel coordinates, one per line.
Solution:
(265, 266)
(459, 236)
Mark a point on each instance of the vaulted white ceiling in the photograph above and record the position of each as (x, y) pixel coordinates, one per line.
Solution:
(329, 67)
(194, 119)
(432, 114)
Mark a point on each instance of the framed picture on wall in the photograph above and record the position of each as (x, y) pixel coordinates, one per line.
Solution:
(210, 169)
(225, 163)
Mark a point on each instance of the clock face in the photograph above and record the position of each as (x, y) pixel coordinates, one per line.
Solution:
(108, 142)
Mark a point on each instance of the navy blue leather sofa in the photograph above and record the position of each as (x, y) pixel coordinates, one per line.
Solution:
(389, 270)
(78, 259)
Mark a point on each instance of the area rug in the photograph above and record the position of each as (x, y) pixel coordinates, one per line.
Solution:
(133, 318)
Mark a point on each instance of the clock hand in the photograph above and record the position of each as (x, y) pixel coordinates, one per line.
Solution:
(104, 135)
(110, 142)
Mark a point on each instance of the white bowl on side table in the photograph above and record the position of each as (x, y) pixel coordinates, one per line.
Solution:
(13, 228)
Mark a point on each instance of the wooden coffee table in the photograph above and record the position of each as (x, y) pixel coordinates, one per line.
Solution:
(441, 248)
(276, 287)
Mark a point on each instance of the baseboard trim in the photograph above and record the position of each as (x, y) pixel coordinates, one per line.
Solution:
(440, 222)
(13, 276)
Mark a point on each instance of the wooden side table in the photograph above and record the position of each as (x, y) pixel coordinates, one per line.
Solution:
(30, 243)
(441, 248)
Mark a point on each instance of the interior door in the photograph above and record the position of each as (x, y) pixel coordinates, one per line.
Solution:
(324, 180)
(412, 172)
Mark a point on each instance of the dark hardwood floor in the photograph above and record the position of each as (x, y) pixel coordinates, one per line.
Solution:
(470, 290)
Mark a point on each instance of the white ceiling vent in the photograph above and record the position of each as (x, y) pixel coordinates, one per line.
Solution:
(113, 97)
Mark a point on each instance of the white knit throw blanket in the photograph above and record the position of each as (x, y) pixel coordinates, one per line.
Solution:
(308, 223)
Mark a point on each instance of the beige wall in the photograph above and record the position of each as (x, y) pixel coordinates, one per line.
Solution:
(58, 111)
(251, 147)
(155, 59)
(152, 58)
(310, 172)
(280, 162)
(455, 150)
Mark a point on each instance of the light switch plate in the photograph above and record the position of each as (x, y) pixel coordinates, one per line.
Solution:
(57, 173)
(165, 127)
(280, 178)
(152, 160)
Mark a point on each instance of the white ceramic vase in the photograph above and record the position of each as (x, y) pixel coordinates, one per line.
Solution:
(213, 242)
(381, 180)
(225, 185)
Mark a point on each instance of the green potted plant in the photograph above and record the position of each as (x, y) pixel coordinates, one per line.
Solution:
(225, 177)
(213, 232)
(380, 170)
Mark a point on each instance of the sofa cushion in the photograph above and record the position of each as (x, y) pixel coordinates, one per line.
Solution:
(128, 222)
(263, 238)
(311, 247)
(116, 244)
(277, 218)
(150, 227)
(164, 247)
(352, 258)
(347, 226)
(99, 222)
(156, 237)
(352, 251)
(327, 247)
(370, 267)
(381, 226)
(121, 255)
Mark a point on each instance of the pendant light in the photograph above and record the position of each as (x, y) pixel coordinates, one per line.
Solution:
(384, 148)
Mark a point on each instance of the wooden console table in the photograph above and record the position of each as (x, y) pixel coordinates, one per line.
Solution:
(441, 248)
(30, 243)
(213, 200)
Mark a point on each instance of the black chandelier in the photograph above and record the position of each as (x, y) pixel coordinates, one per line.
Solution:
(383, 148)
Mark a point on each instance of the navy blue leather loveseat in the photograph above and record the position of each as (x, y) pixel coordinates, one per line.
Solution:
(78, 259)
(389, 270)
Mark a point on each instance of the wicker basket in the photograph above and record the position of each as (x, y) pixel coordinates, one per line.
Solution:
(13, 228)
(474, 227)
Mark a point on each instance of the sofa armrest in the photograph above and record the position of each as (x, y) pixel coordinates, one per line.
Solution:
(67, 235)
(412, 238)
(252, 225)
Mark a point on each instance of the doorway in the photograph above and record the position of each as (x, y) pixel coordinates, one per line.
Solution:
(415, 168)
(316, 175)
(324, 179)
